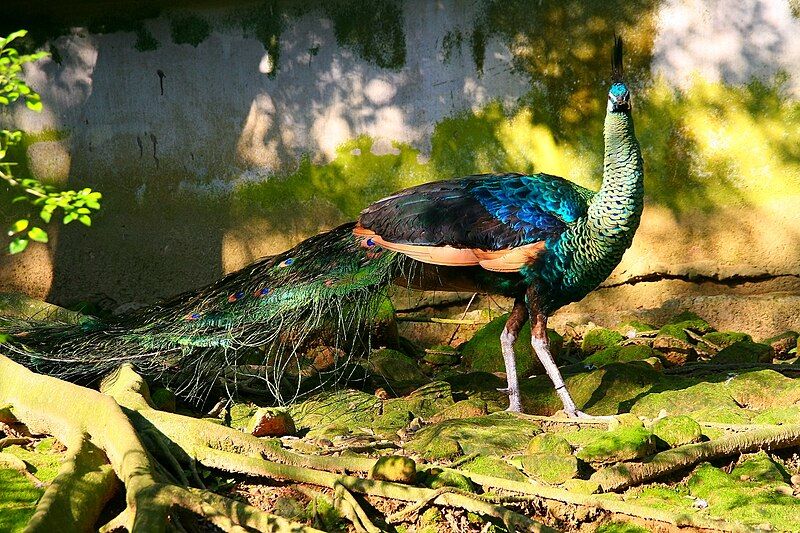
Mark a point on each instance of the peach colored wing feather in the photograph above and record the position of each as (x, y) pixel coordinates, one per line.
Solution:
(507, 260)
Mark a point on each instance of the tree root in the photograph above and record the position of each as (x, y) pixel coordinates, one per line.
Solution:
(94, 422)
(347, 505)
(623, 475)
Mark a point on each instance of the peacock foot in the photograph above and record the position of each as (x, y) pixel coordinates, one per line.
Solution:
(514, 400)
(585, 416)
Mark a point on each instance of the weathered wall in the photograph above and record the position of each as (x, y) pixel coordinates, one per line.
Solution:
(220, 134)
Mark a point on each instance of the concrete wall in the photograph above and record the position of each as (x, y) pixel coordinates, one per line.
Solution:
(220, 134)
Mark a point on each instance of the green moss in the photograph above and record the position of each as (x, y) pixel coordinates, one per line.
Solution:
(620, 354)
(374, 29)
(189, 29)
(598, 339)
(707, 402)
(477, 43)
(763, 389)
(438, 478)
(634, 326)
(618, 445)
(760, 467)
(441, 354)
(550, 468)
(346, 411)
(471, 407)
(778, 415)
(396, 371)
(240, 415)
(18, 498)
(751, 503)
(621, 527)
(581, 486)
(744, 352)
(163, 399)
(495, 434)
(43, 462)
(674, 431)
(723, 339)
(683, 321)
(549, 443)
(324, 515)
(430, 399)
(662, 498)
(493, 466)
(605, 391)
(395, 415)
(482, 353)
(394, 468)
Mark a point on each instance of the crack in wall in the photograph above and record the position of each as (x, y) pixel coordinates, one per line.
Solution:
(728, 281)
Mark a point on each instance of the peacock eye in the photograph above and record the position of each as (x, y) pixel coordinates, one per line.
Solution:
(287, 262)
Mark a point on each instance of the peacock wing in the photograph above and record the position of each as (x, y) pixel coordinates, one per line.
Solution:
(498, 221)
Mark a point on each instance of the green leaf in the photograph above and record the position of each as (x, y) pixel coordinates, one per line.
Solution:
(17, 245)
(33, 106)
(38, 234)
(3, 100)
(19, 225)
(91, 204)
(15, 35)
(85, 220)
(69, 217)
(83, 210)
(45, 215)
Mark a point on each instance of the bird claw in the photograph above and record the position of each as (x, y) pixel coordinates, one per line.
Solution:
(583, 416)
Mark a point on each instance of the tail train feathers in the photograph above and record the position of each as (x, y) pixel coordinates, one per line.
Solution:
(330, 282)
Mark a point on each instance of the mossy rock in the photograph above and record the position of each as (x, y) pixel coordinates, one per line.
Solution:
(437, 478)
(718, 340)
(675, 498)
(486, 465)
(581, 486)
(482, 353)
(289, 508)
(441, 355)
(632, 327)
(605, 391)
(394, 416)
(430, 399)
(744, 352)
(329, 412)
(687, 320)
(672, 431)
(674, 351)
(620, 354)
(43, 461)
(395, 371)
(550, 468)
(471, 407)
(240, 415)
(763, 389)
(394, 468)
(620, 444)
(783, 344)
(163, 399)
(495, 434)
(752, 503)
(549, 443)
(478, 385)
(684, 398)
(598, 339)
(778, 415)
(432, 521)
(761, 468)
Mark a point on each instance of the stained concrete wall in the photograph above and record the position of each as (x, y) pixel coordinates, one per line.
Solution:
(220, 134)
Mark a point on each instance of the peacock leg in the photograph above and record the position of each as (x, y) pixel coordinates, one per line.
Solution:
(541, 345)
(517, 319)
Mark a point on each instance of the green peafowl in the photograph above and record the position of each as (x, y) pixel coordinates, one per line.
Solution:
(539, 239)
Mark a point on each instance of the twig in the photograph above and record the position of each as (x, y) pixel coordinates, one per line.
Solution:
(435, 320)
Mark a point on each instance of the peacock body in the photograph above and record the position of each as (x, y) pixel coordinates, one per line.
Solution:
(539, 239)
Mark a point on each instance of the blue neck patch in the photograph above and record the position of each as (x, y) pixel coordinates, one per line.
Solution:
(618, 90)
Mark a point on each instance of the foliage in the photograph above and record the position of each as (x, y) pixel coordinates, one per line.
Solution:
(41, 197)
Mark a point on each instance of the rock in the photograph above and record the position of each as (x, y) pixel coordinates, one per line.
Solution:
(395, 371)
(163, 399)
(240, 414)
(617, 445)
(496, 434)
(432, 521)
(686, 320)
(783, 344)
(430, 399)
(468, 408)
(598, 339)
(675, 351)
(482, 353)
(437, 478)
(487, 465)
(335, 413)
(288, 508)
(717, 340)
(621, 527)
(394, 468)
(15, 304)
(620, 354)
(707, 402)
(778, 415)
(744, 352)
(441, 355)
(675, 431)
(271, 422)
(631, 328)
(581, 486)
(394, 416)
(549, 443)
(760, 467)
(763, 389)
(479, 385)
(550, 467)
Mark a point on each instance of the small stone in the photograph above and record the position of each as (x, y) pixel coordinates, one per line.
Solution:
(717, 340)
(394, 468)
(381, 393)
(549, 443)
(550, 467)
(673, 431)
(449, 478)
(783, 344)
(796, 480)
(271, 422)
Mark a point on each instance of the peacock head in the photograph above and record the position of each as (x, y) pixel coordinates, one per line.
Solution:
(619, 97)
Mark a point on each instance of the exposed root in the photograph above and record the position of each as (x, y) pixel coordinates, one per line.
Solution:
(94, 423)
(625, 475)
(347, 505)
